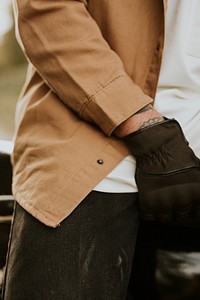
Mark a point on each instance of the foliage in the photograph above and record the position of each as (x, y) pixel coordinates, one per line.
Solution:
(12, 74)
(11, 81)
(10, 52)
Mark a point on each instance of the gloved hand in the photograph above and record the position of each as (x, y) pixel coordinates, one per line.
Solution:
(167, 173)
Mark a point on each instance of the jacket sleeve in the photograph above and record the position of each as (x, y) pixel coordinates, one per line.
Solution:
(65, 45)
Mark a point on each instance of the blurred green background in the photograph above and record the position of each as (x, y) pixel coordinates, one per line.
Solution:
(12, 75)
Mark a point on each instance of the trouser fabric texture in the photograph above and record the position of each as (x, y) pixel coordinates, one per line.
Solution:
(89, 256)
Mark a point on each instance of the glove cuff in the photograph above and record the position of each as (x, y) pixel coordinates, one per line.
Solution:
(152, 137)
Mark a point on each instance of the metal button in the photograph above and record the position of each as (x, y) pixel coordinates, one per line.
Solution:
(158, 47)
(100, 161)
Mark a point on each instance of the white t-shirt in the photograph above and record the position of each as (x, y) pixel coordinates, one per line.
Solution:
(178, 92)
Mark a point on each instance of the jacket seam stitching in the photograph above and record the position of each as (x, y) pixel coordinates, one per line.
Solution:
(92, 97)
(37, 209)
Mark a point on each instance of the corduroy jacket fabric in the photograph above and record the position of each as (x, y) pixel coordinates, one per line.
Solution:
(92, 64)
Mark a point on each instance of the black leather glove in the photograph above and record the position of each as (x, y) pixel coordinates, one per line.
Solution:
(167, 173)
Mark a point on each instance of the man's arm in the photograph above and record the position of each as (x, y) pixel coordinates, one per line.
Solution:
(167, 170)
(65, 45)
(143, 118)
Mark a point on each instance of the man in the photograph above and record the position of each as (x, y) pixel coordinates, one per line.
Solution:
(84, 116)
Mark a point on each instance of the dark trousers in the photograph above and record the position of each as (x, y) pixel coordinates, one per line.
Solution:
(88, 257)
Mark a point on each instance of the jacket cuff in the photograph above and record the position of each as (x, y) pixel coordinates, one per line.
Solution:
(114, 103)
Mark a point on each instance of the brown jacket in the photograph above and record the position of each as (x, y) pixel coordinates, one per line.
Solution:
(92, 65)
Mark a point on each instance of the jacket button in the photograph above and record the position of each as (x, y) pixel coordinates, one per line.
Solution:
(100, 161)
(158, 47)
